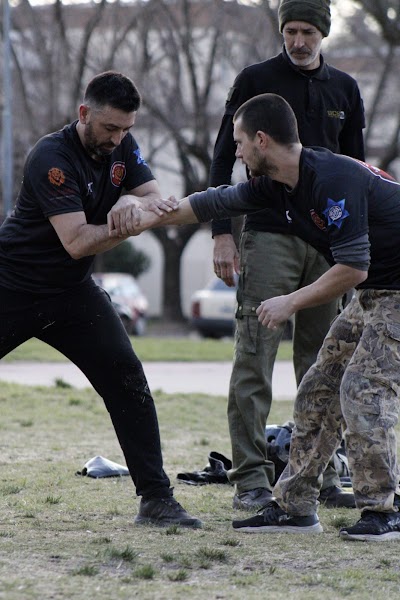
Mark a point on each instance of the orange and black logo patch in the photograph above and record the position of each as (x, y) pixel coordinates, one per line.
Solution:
(56, 176)
(118, 172)
(320, 223)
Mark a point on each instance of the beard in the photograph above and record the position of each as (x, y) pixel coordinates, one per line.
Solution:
(92, 145)
(303, 57)
(261, 166)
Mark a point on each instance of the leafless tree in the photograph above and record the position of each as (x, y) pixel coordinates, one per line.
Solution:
(371, 39)
(188, 61)
(183, 54)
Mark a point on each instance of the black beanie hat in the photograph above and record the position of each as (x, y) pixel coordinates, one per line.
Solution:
(316, 12)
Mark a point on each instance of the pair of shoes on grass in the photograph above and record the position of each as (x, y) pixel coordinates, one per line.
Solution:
(372, 526)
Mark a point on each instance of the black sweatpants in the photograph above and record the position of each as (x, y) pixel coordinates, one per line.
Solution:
(82, 324)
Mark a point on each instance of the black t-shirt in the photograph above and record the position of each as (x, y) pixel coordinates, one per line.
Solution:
(60, 177)
(337, 202)
(328, 108)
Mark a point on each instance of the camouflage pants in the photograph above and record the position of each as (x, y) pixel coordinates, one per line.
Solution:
(353, 386)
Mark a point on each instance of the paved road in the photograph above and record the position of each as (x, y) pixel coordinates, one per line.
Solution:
(185, 377)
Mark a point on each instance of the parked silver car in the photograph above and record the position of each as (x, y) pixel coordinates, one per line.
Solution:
(127, 298)
(213, 309)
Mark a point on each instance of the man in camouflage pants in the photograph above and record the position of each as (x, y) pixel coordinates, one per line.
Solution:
(350, 212)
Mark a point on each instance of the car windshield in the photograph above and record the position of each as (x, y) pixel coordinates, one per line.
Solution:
(118, 288)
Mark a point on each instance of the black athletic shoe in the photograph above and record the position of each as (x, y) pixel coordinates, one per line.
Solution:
(275, 520)
(163, 512)
(374, 527)
(253, 500)
(335, 497)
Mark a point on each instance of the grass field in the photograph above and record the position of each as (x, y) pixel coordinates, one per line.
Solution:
(152, 349)
(67, 537)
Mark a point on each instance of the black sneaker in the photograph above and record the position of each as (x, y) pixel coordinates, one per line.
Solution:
(275, 520)
(335, 497)
(163, 512)
(253, 500)
(374, 527)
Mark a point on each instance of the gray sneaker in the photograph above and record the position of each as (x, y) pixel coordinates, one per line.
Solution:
(164, 512)
(374, 527)
(275, 520)
(252, 500)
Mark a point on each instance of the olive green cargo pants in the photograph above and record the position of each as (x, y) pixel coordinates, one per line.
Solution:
(271, 265)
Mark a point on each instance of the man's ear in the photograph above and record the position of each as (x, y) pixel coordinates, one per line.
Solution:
(262, 139)
(83, 114)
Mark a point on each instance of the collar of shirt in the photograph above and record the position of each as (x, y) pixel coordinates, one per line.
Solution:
(321, 73)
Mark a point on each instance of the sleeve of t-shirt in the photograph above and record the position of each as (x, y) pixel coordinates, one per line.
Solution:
(230, 200)
(343, 204)
(137, 169)
(53, 180)
(225, 149)
(351, 138)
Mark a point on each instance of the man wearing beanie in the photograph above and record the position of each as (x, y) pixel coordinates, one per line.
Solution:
(329, 111)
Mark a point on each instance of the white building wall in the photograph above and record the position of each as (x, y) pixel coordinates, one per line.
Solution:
(196, 269)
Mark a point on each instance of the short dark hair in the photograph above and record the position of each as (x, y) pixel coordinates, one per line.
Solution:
(112, 89)
(271, 114)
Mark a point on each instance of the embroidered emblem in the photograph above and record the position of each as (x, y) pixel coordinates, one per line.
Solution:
(90, 187)
(336, 212)
(320, 223)
(117, 173)
(288, 217)
(56, 176)
(139, 158)
(337, 114)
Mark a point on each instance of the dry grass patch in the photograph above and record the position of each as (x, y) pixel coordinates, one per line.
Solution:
(66, 537)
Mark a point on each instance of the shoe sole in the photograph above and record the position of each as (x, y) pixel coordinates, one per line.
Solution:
(317, 528)
(195, 524)
(369, 537)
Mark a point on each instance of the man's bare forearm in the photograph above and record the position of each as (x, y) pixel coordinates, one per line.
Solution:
(182, 215)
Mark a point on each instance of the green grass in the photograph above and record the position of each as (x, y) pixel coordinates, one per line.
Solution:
(151, 349)
(67, 537)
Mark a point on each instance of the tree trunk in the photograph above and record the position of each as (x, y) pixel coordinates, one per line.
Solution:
(174, 241)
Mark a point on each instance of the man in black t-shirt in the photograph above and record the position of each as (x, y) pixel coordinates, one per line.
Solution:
(350, 212)
(329, 112)
(70, 196)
